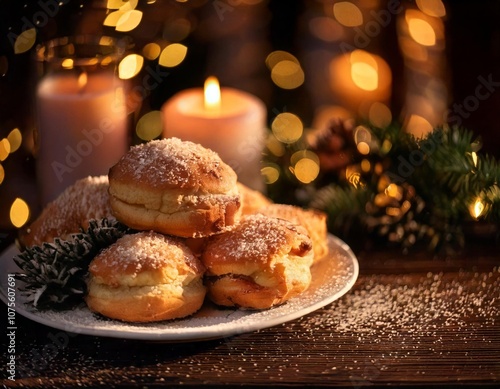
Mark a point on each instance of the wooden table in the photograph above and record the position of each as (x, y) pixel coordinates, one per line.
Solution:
(409, 320)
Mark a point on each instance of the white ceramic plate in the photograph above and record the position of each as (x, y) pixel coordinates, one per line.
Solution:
(332, 277)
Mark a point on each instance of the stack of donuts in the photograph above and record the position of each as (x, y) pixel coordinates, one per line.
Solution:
(200, 235)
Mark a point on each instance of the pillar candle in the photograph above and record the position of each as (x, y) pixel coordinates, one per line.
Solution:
(82, 128)
(234, 127)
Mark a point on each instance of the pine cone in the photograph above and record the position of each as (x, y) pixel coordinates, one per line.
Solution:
(334, 145)
(393, 213)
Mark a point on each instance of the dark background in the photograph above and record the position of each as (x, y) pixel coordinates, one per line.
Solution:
(472, 50)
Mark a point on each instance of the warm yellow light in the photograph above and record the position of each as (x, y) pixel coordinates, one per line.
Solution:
(129, 5)
(363, 148)
(130, 66)
(212, 95)
(270, 173)
(287, 127)
(19, 213)
(275, 146)
(287, 75)
(25, 41)
(173, 55)
(306, 170)
(347, 14)
(151, 51)
(394, 191)
(418, 126)
(4, 149)
(113, 18)
(422, 32)
(434, 8)
(474, 158)
(478, 208)
(129, 20)
(15, 139)
(149, 126)
(82, 80)
(114, 4)
(2, 174)
(364, 75)
(67, 63)
(278, 56)
(353, 176)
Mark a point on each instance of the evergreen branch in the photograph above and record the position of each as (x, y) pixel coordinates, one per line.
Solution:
(54, 273)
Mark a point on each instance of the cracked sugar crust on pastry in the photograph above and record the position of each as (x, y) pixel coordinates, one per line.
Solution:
(71, 211)
(146, 277)
(174, 187)
(262, 262)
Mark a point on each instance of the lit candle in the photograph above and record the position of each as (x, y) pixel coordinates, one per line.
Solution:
(82, 127)
(229, 121)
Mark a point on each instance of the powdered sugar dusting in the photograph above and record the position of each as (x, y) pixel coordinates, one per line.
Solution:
(169, 162)
(86, 199)
(332, 277)
(143, 251)
(257, 237)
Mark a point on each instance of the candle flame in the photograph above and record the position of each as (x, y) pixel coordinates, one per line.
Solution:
(82, 80)
(212, 94)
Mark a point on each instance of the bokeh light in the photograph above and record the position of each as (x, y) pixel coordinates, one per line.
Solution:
(279, 55)
(434, 8)
(347, 14)
(151, 51)
(421, 31)
(25, 41)
(177, 30)
(173, 55)
(275, 146)
(306, 170)
(113, 18)
(2, 174)
(304, 164)
(418, 126)
(130, 66)
(4, 149)
(379, 115)
(149, 126)
(270, 173)
(15, 139)
(287, 75)
(129, 20)
(478, 208)
(287, 127)
(19, 213)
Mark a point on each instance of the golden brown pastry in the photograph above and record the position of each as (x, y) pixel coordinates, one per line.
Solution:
(260, 263)
(313, 220)
(174, 187)
(251, 200)
(146, 277)
(71, 211)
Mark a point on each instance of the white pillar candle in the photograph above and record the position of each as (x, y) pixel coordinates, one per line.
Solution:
(82, 128)
(234, 127)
